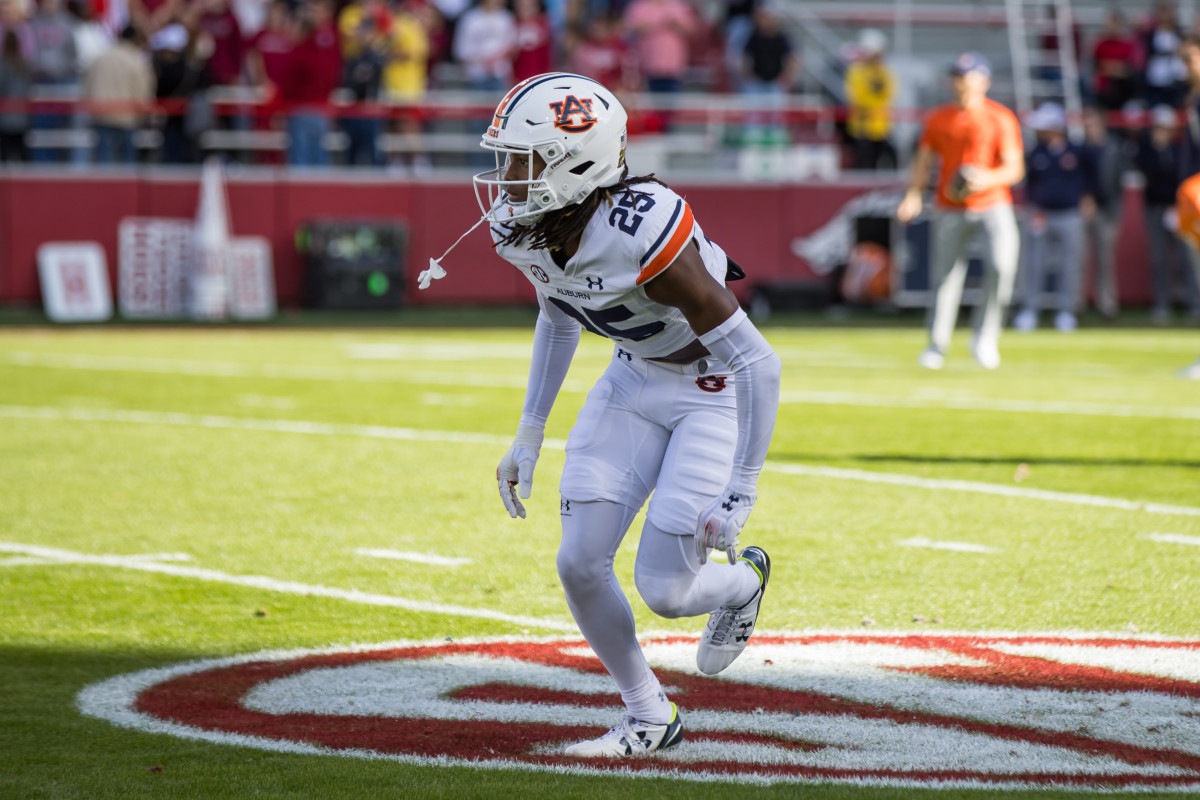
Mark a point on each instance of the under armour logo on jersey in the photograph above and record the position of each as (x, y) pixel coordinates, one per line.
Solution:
(595, 284)
(728, 504)
(625, 355)
(572, 107)
(711, 383)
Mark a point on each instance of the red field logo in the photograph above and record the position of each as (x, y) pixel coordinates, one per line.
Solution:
(947, 711)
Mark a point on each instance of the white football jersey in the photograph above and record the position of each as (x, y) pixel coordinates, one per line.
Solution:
(623, 247)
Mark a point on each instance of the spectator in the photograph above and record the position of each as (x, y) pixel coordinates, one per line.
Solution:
(181, 68)
(1164, 75)
(979, 143)
(437, 35)
(268, 50)
(769, 68)
(661, 30)
(1111, 156)
(533, 52)
(1060, 181)
(91, 38)
(406, 76)
(16, 83)
(870, 89)
(122, 80)
(313, 72)
(55, 72)
(739, 23)
(484, 42)
(151, 16)
(251, 15)
(12, 18)
(600, 53)
(366, 35)
(216, 19)
(1115, 60)
(1159, 162)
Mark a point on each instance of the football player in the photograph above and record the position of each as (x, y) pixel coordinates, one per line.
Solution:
(685, 409)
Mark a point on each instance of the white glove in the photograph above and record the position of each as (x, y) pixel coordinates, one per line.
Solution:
(719, 524)
(515, 473)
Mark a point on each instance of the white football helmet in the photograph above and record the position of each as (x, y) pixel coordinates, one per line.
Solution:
(575, 124)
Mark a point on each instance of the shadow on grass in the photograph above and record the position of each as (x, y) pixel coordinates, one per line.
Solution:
(48, 749)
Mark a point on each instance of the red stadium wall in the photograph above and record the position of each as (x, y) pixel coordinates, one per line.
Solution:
(754, 223)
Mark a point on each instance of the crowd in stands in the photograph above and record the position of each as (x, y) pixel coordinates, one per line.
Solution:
(154, 64)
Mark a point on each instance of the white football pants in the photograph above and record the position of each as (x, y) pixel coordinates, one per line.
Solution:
(646, 427)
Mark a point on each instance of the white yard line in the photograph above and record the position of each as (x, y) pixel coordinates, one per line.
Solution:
(231, 369)
(962, 547)
(1173, 538)
(251, 424)
(276, 585)
(457, 437)
(938, 484)
(416, 558)
(990, 404)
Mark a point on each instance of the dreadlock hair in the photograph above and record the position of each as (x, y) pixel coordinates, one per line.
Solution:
(564, 224)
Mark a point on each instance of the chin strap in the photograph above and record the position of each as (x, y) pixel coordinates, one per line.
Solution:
(436, 271)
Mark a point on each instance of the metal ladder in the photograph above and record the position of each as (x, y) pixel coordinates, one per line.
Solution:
(1034, 68)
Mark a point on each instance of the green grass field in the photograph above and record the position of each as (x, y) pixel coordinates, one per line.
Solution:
(1073, 472)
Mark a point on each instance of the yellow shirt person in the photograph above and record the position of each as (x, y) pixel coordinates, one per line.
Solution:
(407, 71)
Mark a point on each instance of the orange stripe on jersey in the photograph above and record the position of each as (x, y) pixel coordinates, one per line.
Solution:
(672, 249)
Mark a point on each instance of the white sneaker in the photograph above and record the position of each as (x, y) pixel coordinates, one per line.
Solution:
(1065, 322)
(729, 629)
(931, 358)
(986, 354)
(1025, 321)
(632, 738)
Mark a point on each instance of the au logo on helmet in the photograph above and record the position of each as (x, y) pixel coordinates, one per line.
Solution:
(566, 110)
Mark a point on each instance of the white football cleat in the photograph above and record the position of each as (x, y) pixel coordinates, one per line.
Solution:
(931, 358)
(985, 353)
(1065, 322)
(729, 629)
(632, 738)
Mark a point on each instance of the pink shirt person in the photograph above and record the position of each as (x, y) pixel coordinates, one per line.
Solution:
(662, 28)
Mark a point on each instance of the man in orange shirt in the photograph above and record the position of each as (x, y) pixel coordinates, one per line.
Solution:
(979, 144)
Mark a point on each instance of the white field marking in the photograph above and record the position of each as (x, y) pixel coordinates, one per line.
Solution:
(21, 561)
(263, 401)
(939, 484)
(114, 700)
(43, 561)
(1173, 538)
(456, 400)
(990, 404)
(467, 351)
(419, 689)
(418, 558)
(233, 369)
(962, 547)
(1179, 665)
(276, 585)
(250, 424)
(458, 437)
